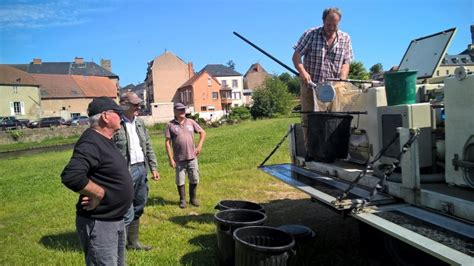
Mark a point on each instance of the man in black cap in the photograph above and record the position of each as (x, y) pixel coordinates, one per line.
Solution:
(134, 143)
(99, 173)
(183, 154)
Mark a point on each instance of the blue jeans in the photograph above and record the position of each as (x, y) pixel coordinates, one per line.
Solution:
(139, 176)
(103, 242)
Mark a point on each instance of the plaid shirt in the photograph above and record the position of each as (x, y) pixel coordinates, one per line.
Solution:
(320, 60)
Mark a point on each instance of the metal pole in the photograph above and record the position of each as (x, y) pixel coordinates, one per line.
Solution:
(267, 54)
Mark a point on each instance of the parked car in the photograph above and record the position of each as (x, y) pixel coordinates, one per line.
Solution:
(78, 121)
(33, 124)
(51, 121)
(24, 122)
(10, 122)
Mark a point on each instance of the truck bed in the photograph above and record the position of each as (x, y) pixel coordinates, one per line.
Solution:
(449, 239)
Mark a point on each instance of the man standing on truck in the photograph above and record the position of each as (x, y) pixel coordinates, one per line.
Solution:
(327, 53)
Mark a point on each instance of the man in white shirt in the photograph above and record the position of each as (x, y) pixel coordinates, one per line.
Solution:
(133, 141)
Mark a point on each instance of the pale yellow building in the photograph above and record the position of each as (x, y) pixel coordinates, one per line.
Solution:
(69, 95)
(20, 94)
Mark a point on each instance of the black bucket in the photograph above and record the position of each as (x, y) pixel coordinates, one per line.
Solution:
(304, 238)
(238, 205)
(328, 136)
(226, 223)
(262, 245)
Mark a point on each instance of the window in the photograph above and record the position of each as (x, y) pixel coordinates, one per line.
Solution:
(215, 95)
(447, 71)
(437, 73)
(74, 115)
(236, 95)
(203, 108)
(211, 108)
(17, 108)
(234, 83)
(224, 83)
(236, 105)
(209, 82)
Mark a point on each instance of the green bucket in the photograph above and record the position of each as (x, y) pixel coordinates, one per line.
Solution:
(400, 87)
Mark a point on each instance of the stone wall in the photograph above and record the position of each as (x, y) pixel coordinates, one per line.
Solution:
(39, 134)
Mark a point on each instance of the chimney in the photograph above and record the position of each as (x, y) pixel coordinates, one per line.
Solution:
(190, 69)
(79, 60)
(105, 63)
(37, 61)
(472, 34)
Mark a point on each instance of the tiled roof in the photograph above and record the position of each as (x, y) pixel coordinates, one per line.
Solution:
(134, 88)
(96, 86)
(193, 79)
(12, 76)
(461, 59)
(73, 86)
(66, 68)
(255, 68)
(219, 70)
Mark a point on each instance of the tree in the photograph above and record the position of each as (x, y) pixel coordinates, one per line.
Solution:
(271, 99)
(293, 82)
(375, 69)
(358, 71)
(230, 64)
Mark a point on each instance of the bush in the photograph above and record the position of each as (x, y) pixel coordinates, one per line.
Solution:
(16, 134)
(240, 113)
(271, 99)
(198, 119)
(158, 127)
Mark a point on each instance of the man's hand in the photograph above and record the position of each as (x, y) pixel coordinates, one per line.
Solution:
(172, 163)
(197, 151)
(92, 195)
(155, 175)
(305, 77)
(90, 203)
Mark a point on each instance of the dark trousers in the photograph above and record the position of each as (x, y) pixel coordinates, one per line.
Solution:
(103, 242)
(139, 176)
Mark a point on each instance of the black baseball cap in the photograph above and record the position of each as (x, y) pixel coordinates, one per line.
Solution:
(102, 104)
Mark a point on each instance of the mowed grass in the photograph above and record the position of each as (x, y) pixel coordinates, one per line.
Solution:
(37, 212)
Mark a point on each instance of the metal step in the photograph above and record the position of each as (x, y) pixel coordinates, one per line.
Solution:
(324, 188)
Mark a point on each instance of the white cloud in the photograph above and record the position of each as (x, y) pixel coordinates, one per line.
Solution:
(37, 14)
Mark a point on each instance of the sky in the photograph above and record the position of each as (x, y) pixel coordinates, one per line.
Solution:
(133, 32)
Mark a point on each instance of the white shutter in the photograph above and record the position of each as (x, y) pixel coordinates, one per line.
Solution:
(22, 105)
(12, 109)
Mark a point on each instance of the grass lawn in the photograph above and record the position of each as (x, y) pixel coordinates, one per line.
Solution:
(37, 214)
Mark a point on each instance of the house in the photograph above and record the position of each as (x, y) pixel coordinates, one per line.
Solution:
(141, 91)
(77, 67)
(20, 94)
(231, 82)
(66, 88)
(165, 74)
(69, 95)
(253, 78)
(202, 94)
